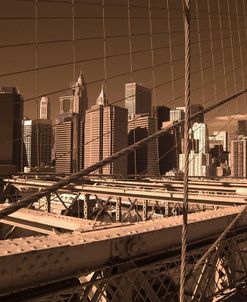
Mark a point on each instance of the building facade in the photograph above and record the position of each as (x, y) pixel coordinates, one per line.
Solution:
(239, 157)
(37, 143)
(105, 134)
(11, 115)
(146, 159)
(70, 129)
(44, 109)
(200, 162)
(138, 99)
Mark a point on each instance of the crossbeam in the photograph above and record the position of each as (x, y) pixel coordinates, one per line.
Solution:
(55, 258)
(142, 194)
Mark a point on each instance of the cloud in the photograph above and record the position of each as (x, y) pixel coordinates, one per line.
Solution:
(233, 116)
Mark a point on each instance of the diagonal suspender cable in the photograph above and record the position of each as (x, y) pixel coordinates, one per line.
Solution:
(70, 179)
(186, 5)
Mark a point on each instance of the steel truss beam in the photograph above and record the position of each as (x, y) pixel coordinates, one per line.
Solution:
(55, 258)
(144, 194)
(47, 223)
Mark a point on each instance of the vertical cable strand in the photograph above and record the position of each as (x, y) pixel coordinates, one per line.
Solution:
(131, 77)
(154, 114)
(37, 81)
(73, 40)
(186, 142)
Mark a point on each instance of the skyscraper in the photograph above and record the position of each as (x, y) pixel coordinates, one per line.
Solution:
(239, 157)
(105, 134)
(11, 115)
(166, 143)
(222, 136)
(44, 109)
(146, 159)
(178, 113)
(37, 138)
(69, 135)
(200, 159)
(138, 99)
(242, 127)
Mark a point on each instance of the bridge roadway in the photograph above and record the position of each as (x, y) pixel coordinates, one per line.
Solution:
(35, 261)
(139, 192)
(50, 223)
(225, 187)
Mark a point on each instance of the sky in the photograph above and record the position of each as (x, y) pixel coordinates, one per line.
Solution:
(215, 53)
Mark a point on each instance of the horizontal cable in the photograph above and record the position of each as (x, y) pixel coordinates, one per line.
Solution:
(83, 61)
(88, 39)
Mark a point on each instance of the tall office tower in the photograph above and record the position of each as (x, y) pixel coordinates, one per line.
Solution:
(80, 98)
(162, 114)
(242, 127)
(37, 138)
(102, 99)
(200, 159)
(199, 133)
(218, 148)
(11, 115)
(239, 157)
(199, 164)
(138, 99)
(44, 109)
(176, 115)
(146, 160)
(105, 134)
(166, 143)
(76, 103)
(69, 145)
(70, 128)
(194, 108)
(222, 137)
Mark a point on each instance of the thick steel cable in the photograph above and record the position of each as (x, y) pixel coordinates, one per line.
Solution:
(118, 100)
(114, 102)
(199, 112)
(70, 179)
(217, 242)
(186, 4)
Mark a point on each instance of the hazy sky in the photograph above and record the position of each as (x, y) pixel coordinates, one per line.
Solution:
(55, 24)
